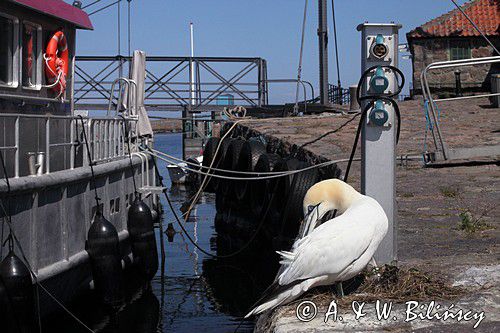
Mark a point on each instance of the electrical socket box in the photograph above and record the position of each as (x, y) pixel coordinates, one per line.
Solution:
(379, 47)
(377, 38)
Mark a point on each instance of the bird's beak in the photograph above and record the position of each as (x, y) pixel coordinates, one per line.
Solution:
(310, 221)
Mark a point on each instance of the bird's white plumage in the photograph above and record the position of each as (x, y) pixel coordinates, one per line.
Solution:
(340, 247)
(335, 251)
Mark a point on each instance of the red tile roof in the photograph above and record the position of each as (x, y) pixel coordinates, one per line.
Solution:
(60, 10)
(485, 13)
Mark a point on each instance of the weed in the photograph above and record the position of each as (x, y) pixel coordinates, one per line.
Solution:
(470, 224)
(449, 192)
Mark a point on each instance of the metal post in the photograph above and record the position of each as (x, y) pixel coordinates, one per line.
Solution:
(72, 141)
(259, 83)
(191, 66)
(323, 51)
(47, 145)
(458, 83)
(18, 147)
(378, 142)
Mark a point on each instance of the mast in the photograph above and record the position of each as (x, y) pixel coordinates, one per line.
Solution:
(323, 51)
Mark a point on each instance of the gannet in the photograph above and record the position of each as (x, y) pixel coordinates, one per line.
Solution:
(332, 252)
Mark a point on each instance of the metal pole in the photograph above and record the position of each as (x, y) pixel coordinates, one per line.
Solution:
(458, 83)
(378, 141)
(299, 69)
(128, 27)
(323, 51)
(336, 47)
(191, 67)
(119, 28)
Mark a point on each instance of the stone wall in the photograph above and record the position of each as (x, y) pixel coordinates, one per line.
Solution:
(473, 78)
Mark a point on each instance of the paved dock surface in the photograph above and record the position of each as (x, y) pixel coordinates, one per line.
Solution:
(434, 204)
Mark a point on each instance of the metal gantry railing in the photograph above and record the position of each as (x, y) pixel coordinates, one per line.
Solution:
(169, 83)
(106, 138)
(338, 95)
(442, 150)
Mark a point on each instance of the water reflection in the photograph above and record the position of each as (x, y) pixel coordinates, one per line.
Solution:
(196, 292)
(142, 315)
(203, 292)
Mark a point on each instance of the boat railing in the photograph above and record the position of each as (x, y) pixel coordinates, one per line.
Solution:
(41, 144)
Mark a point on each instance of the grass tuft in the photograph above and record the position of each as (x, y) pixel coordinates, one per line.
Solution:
(471, 224)
(449, 192)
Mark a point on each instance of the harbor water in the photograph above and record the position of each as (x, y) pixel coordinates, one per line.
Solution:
(196, 292)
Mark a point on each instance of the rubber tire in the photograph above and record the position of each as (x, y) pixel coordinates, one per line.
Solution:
(293, 213)
(250, 153)
(193, 177)
(220, 197)
(281, 187)
(230, 161)
(260, 191)
(208, 157)
(331, 171)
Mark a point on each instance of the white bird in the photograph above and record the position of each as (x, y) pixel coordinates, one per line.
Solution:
(333, 252)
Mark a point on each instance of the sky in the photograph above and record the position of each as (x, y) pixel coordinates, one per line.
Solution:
(258, 28)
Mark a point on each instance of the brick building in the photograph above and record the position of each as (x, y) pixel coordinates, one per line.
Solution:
(451, 37)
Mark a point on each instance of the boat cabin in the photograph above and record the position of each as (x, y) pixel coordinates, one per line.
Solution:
(26, 30)
(37, 52)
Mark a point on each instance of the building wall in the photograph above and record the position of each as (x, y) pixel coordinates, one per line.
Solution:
(474, 78)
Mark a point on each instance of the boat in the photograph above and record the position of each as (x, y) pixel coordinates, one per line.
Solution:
(64, 167)
(180, 173)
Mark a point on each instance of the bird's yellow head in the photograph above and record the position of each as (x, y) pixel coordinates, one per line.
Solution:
(326, 196)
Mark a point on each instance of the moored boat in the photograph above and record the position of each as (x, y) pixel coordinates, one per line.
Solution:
(65, 170)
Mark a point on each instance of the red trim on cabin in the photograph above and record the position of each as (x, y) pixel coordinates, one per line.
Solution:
(60, 10)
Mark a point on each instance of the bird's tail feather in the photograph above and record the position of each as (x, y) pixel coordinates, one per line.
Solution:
(286, 257)
(287, 295)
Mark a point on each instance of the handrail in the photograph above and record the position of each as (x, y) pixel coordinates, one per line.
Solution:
(294, 80)
(129, 83)
(427, 94)
(106, 138)
(302, 82)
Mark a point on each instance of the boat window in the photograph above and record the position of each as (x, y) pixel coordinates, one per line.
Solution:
(8, 50)
(31, 56)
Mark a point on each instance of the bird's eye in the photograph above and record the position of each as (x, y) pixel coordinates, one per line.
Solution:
(310, 208)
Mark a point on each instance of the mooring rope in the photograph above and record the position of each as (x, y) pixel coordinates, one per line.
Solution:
(240, 250)
(172, 159)
(271, 175)
(204, 182)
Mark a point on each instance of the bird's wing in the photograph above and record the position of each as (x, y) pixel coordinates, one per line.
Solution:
(328, 250)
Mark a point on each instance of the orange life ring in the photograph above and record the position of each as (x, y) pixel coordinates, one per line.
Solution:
(56, 62)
